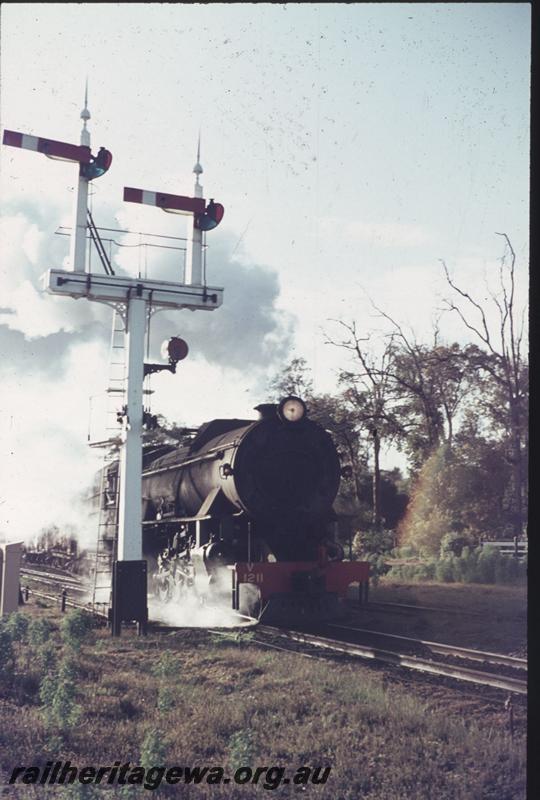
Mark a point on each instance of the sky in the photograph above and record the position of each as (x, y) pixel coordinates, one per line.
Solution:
(353, 147)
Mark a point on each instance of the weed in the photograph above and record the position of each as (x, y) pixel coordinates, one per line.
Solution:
(75, 628)
(57, 694)
(17, 626)
(241, 749)
(6, 655)
(166, 699)
(154, 748)
(47, 657)
(39, 631)
(166, 666)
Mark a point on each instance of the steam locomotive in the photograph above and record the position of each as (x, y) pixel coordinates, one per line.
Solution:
(246, 507)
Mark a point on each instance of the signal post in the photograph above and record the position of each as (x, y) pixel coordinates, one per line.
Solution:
(135, 299)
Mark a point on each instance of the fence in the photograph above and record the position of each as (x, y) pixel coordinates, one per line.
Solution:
(511, 547)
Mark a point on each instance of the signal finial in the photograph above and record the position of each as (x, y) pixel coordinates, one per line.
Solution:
(85, 116)
(197, 169)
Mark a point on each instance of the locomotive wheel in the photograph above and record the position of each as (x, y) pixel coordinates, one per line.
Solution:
(178, 589)
(163, 589)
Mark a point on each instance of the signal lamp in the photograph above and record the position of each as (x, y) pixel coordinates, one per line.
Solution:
(292, 409)
(98, 165)
(213, 214)
(174, 349)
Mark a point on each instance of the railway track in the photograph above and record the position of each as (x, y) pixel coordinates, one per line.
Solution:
(53, 578)
(512, 684)
(407, 656)
(413, 608)
(436, 648)
(95, 611)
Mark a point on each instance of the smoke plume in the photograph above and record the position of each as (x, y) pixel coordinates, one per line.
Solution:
(55, 356)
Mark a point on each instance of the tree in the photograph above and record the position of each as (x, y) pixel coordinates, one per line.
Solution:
(460, 490)
(499, 359)
(428, 384)
(369, 394)
(293, 379)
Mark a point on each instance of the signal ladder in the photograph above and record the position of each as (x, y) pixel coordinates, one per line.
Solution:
(109, 483)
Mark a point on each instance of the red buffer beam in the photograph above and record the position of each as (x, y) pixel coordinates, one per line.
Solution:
(49, 147)
(168, 202)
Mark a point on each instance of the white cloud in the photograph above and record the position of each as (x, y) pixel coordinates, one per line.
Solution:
(382, 234)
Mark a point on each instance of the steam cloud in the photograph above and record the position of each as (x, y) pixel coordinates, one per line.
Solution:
(55, 356)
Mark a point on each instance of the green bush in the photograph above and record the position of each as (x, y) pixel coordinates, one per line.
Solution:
(58, 694)
(6, 653)
(46, 657)
(377, 567)
(47, 691)
(39, 631)
(241, 749)
(443, 571)
(75, 628)
(165, 700)
(370, 542)
(166, 666)
(154, 749)
(17, 625)
(473, 565)
(425, 571)
(404, 552)
(454, 544)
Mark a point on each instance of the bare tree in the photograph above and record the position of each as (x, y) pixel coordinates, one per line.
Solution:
(369, 392)
(428, 384)
(501, 358)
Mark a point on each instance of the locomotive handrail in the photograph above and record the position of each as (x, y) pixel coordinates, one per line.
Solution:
(213, 454)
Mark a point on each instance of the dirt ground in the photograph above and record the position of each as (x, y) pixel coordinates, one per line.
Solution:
(484, 617)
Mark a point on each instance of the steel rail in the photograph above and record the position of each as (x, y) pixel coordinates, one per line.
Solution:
(53, 580)
(499, 659)
(73, 603)
(400, 660)
(36, 572)
(372, 605)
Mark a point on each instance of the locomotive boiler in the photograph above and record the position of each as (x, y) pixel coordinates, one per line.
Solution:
(246, 508)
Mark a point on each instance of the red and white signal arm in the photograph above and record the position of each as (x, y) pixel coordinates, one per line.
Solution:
(175, 349)
(168, 202)
(63, 151)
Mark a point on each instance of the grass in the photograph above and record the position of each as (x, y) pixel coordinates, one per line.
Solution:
(189, 699)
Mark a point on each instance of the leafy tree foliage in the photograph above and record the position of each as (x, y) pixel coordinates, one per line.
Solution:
(459, 490)
(294, 378)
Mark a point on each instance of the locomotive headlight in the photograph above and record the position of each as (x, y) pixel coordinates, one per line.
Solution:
(292, 409)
